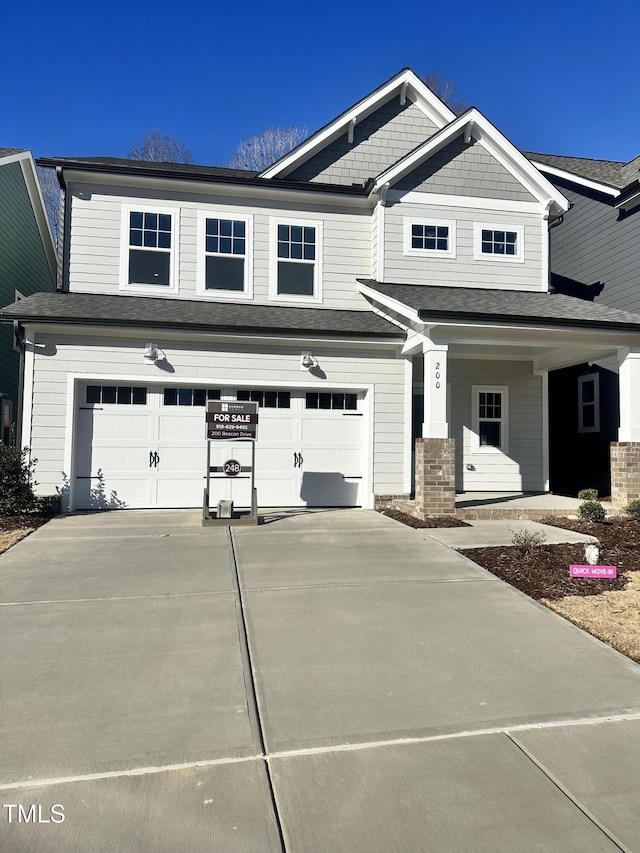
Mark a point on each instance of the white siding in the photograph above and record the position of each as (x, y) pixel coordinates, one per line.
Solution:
(520, 468)
(96, 223)
(214, 365)
(464, 270)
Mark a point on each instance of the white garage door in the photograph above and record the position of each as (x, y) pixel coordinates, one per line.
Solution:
(144, 447)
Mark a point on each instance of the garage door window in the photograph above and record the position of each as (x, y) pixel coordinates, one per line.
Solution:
(122, 395)
(266, 399)
(190, 396)
(321, 400)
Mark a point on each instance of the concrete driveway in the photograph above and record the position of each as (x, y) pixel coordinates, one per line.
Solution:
(329, 681)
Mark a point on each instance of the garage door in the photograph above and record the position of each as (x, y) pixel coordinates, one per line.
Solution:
(144, 447)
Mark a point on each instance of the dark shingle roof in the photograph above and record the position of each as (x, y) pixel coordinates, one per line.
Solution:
(611, 172)
(7, 152)
(465, 303)
(183, 314)
(146, 168)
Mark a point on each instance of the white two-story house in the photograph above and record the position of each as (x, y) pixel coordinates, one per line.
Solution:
(386, 281)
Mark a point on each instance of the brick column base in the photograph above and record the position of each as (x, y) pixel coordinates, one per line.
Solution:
(625, 472)
(435, 476)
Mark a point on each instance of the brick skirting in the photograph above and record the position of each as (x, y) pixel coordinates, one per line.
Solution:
(625, 472)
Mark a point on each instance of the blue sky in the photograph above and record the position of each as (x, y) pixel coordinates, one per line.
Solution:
(80, 78)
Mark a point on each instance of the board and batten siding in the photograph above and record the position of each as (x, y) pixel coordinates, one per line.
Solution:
(213, 365)
(96, 227)
(464, 270)
(593, 245)
(521, 467)
(379, 141)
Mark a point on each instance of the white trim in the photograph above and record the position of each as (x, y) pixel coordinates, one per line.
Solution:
(443, 254)
(214, 293)
(545, 272)
(479, 255)
(27, 395)
(380, 215)
(576, 179)
(399, 307)
(408, 423)
(544, 376)
(476, 390)
(425, 99)
(466, 201)
(495, 143)
(40, 213)
(291, 298)
(172, 288)
(595, 378)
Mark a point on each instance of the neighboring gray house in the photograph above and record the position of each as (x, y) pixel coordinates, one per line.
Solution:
(386, 280)
(27, 265)
(595, 253)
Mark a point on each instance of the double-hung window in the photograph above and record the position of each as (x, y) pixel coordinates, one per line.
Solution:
(429, 237)
(589, 403)
(149, 237)
(226, 260)
(490, 418)
(498, 243)
(295, 266)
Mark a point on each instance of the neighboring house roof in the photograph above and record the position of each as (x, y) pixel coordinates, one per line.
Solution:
(438, 304)
(183, 314)
(7, 152)
(619, 180)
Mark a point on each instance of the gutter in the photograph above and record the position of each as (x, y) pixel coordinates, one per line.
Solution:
(430, 316)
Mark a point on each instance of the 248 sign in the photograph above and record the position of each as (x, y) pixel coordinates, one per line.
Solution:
(232, 467)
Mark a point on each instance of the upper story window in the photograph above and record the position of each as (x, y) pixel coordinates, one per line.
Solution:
(149, 237)
(430, 237)
(490, 418)
(498, 243)
(227, 255)
(295, 267)
(589, 403)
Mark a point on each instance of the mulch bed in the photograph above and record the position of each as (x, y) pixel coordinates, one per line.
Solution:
(438, 521)
(543, 572)
(26, 521)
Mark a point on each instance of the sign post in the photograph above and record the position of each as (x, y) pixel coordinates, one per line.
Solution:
(231, 421)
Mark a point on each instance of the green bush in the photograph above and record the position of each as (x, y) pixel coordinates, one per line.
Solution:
(591, 511)
(588, 495)
(16, 481)
(633, 509)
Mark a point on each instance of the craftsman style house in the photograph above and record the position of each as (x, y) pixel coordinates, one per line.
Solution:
(595, 253)
(386, 280)
(27, 265)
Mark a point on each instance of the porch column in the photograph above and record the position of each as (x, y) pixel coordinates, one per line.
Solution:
(625, 453)
(435, 451)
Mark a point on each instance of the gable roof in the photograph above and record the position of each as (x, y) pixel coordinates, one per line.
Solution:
(475, 126)
(192, 315)
(459, 304)
(405, 83)
(608, 176)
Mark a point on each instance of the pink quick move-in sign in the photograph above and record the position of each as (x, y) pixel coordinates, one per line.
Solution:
(593, 571)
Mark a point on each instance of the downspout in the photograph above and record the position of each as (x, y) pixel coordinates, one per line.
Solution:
(62, 247)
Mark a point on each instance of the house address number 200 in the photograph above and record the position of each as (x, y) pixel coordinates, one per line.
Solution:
(437, 374)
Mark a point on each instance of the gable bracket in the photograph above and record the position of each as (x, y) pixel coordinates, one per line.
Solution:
(352, 127)
(403, 93)
(468, 132)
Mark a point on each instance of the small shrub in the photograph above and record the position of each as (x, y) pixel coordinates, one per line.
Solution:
(591, 511)
(588, 495)
(16, 481)
(633, 509)
(526, 540)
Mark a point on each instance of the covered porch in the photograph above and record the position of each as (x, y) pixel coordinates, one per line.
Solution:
(479, 363)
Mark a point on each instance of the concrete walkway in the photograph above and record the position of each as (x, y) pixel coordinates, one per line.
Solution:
(487, 534)
(329, 681)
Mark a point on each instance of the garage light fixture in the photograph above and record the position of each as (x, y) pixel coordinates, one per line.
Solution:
(307, 361)
(151, 353)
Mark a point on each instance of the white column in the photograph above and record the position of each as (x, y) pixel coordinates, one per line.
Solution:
(435, 390)
(629, 360)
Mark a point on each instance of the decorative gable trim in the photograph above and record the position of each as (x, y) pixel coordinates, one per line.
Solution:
(576, 179)
(404, 85)
(475, 126)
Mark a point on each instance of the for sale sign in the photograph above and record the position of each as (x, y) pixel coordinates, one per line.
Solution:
(231, 421)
